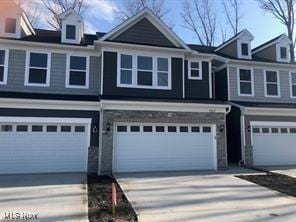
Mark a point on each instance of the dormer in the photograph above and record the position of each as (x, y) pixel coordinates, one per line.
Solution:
(14, 22)
(239, 46)
(72, 27)
(277, 49)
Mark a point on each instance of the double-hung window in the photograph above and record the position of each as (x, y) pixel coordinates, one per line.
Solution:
(293, 84)
(143, 71)
(38, 69)
(3, 66)
(195, 70)
(271, 84)
(245, 82)
(78, 72)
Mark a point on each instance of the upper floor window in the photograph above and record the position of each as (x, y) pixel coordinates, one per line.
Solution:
(37, 71)
(78, 74)
(272, 83)
(293, 84)
(3, 67)
(143, 71)
(195, 70)
(71, 32)
(10, 25)
(284, 52)
(245, 49)
(245, 83)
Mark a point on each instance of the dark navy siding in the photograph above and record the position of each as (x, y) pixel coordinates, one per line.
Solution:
(197, 89)
(221, 85)
(144, 32)
(234, 135)
(110, 81)
(58, 114)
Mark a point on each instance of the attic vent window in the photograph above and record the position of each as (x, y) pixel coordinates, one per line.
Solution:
(245, 49)
(284, 54)
(10, 25)
(71, 32)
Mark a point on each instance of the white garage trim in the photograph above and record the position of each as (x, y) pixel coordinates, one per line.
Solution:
(49, 104)
(164, 106)
(273, 143)
(27, 143)
(177, 127)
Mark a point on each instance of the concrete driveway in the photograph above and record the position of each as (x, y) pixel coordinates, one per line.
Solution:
(52, 197)
(204, 196)
(285, 170)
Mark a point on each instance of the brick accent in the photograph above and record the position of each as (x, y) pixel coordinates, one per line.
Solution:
(112, 116)
(93, 156)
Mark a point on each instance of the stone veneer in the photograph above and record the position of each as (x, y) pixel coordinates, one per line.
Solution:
(112, 116)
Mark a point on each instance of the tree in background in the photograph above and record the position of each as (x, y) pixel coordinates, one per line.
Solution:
(284, 12)
(132, 7)
(233, 14)
(56, 7)
(200, 17)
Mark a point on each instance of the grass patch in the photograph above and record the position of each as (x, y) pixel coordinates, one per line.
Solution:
(100, 205)
(274, 181)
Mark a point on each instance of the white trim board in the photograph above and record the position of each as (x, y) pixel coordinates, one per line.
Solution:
(164, 106)
(6, 63)
(269, 123)
(48, 104)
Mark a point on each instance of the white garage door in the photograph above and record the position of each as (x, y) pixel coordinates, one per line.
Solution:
(274, 146)
(43, 147)
(160, 147)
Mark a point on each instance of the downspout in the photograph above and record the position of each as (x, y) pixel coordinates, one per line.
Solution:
(100, 140)
(243, 139)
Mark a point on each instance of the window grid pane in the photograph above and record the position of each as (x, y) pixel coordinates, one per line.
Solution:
(245, 78)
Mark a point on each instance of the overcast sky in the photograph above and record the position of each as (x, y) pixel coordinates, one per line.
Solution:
(101, 17)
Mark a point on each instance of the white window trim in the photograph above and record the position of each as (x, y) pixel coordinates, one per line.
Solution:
(48, 69)
(278, 53)
(278, 84)
(64, 34)
(68, 72)
(291, 85)
(6, 58)
(238, 81)
(190, 69)
(239, 49)
(135, 69)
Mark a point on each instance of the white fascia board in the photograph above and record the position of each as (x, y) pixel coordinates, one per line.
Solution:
(49, 104)
(114, 46)
(15, 44)
(14, 119)
(164, 106)
(262, 65)
(284, 39)
(270, 111)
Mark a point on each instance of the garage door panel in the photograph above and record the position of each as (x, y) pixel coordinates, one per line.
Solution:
(274, 146)
(43, 152)
(162, 151)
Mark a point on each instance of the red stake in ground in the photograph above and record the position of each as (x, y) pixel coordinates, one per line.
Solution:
(114, 199)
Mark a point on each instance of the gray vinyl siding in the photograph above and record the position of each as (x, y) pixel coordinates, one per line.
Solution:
(267, 53)
(144, 32)
(230, 49)
(259, 95)
(17, 68)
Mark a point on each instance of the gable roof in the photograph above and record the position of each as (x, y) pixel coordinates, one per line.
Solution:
(148, 14)
(238, 35)
(69, 11)
(282, 37)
